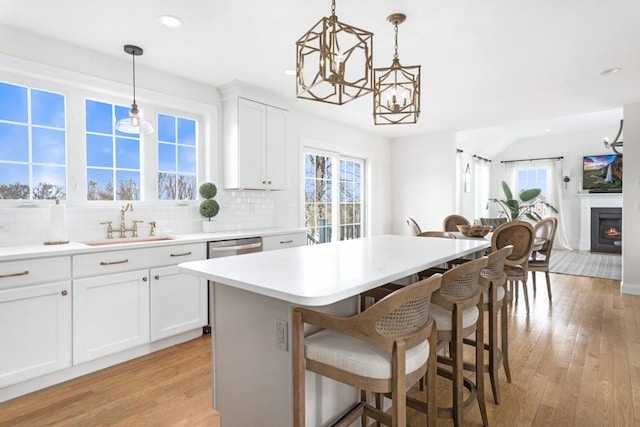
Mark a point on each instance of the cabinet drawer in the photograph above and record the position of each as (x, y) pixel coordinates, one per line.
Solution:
(282, 241)
(126, 260)
(34, 271)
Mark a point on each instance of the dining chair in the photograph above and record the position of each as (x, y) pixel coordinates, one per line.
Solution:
(492, 284)
(445, 234)
(385, 349)
(456, 308)
(520, 235)
(451, 221)
(413, 226)
(544, 229)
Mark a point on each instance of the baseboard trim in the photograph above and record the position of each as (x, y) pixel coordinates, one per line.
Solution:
(630, 288)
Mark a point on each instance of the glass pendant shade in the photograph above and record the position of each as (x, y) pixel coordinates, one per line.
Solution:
(396, 90)
(134, 123)
(334, 62)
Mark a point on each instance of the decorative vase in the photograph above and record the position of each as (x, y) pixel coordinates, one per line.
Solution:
(209, 226)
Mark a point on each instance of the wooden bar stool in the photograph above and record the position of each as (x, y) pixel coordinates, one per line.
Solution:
(457, 309)
(492, 283)
(385, 349)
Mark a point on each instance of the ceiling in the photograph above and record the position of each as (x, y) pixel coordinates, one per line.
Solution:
(512, 63)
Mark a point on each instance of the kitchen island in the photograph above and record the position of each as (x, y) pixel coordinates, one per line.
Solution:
(254, 295)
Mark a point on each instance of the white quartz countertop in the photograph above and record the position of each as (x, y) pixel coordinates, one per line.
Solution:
(323, 274)
(9, 253)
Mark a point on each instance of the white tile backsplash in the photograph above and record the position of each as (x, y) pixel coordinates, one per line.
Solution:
(238, 210)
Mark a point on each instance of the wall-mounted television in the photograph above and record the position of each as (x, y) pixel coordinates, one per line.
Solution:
(602, 173)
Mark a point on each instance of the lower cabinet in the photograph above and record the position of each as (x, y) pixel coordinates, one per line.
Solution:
(178, 302)
(35, 331)
(110, 314)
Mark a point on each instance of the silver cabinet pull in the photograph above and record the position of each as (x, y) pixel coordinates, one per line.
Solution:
(145, 278)
(182, 254)
(64, 293)
(284, 242)
(23, 273)
(157, 277)
(124, 261)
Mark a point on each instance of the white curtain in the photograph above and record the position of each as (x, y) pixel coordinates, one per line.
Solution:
(555, 199)
(481, 173)
(510, 170)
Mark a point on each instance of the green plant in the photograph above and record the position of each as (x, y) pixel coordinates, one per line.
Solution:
(524, 206)
(209, 207)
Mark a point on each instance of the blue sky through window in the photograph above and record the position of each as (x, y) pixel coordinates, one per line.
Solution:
(176, 158)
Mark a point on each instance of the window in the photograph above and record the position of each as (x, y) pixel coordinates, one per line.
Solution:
(113, 158)
(32, 143)
(527, 178)
(333, 197)
(176, 158)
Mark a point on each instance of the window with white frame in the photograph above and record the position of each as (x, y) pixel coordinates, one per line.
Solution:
(176, 157)
(333, 196)
(32, 143)
(531, 177)
(113, 157)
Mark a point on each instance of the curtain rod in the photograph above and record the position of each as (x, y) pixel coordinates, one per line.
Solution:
(481, 158)
(531, 160)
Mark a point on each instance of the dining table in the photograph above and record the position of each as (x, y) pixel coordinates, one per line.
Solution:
(253, 296)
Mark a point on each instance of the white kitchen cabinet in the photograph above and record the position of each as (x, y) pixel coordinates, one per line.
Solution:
(282, 241)
(35, 320)
(254, 145)
(178, 302)
(110, 314)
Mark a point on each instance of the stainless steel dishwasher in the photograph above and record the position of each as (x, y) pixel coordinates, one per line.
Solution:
(223, 248)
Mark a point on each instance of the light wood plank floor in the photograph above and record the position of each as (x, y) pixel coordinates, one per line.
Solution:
(575, 363)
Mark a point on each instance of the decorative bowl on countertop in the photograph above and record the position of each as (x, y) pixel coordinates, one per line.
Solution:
(474, 230)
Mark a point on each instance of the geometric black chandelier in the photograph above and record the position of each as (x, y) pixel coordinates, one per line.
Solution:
(396, 90)
(616, 145)
(334, 61)
(134, 123)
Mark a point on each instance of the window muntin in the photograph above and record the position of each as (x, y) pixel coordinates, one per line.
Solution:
(333, 197)
(32, 143)
(113, 157)
(177, 157)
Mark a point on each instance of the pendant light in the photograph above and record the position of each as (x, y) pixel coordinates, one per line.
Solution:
(396, 90)
(134, 123)
(617, 143)
(334, 61)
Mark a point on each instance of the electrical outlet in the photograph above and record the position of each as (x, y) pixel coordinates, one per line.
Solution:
(282, 335)
(4, 228)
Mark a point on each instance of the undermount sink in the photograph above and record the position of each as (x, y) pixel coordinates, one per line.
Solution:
(126, 241)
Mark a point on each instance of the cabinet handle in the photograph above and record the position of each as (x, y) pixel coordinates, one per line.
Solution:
(269, 182)
(114, 262)
(264, 182)
(145, 278)
(157, 277)
(24, 273)
(284, 242)
(182, 254)
(64, 293)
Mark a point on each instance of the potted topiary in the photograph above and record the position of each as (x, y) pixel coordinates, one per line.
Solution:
(209, 207)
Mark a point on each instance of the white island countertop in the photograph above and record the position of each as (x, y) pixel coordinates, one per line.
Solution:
(326, 273)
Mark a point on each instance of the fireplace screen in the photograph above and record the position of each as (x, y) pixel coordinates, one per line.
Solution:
(606, 230)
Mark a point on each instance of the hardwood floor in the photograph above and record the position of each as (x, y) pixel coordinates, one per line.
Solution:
(574, 363)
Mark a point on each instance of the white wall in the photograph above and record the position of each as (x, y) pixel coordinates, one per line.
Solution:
(424, 179)
(631, 201)
(571, 146)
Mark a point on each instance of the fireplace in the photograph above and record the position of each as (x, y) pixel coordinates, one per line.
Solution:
(606, 230)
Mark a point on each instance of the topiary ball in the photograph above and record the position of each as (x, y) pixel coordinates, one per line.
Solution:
(209, 208)
(208, 190)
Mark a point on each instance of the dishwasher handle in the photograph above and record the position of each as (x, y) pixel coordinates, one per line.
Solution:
(235, 248)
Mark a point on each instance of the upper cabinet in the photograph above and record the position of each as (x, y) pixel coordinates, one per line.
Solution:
(254, 145)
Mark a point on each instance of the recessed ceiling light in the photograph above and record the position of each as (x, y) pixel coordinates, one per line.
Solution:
(290, 72)
(547, 130)
(609, 71)
(170, 21)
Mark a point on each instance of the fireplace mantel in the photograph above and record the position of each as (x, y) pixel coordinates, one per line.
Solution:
(594, 200)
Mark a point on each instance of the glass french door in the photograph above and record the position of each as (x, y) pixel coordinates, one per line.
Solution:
(333, 197)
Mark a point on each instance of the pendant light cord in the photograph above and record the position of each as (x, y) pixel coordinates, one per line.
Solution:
(134, 76)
